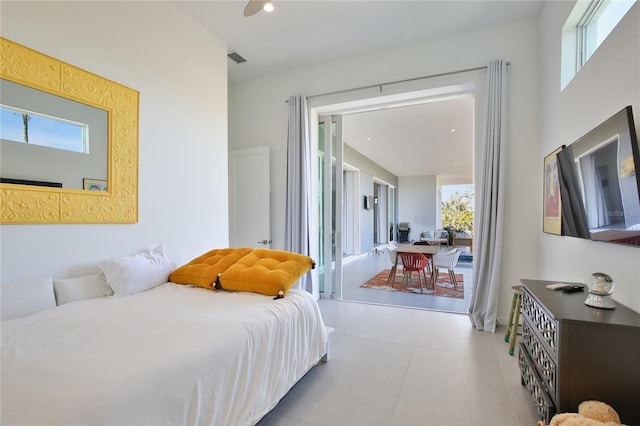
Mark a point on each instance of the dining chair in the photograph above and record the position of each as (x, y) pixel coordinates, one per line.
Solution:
(446, 259)
(414, 262)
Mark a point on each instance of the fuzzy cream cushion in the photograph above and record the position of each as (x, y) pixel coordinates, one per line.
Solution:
(590, 413)
(599, 411)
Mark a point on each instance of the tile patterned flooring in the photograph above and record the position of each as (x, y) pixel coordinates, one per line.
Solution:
(398, 366)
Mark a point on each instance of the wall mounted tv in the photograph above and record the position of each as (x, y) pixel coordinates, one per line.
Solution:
(600, 183)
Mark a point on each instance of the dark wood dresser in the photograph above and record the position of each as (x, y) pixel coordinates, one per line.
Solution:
(571, 352)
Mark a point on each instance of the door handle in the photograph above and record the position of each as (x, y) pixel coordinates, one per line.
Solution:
(265, 242)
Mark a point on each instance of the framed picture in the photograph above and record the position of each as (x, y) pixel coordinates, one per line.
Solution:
(552, 204)
(627, 168)
(94, 184)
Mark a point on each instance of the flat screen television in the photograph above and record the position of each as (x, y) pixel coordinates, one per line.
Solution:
(599, 183)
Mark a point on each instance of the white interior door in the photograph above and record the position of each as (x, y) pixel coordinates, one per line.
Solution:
(249, 198)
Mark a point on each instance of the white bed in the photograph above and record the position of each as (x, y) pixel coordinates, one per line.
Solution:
(172, 355)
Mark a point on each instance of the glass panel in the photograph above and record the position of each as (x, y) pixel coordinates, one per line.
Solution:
(333, 207)
(330, 204)
(457, 207)
(321, 205)
(345, 212)
(601, 22)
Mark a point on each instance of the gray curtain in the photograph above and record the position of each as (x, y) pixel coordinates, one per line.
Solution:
(296, 236)
(574, 217)
(483, 306)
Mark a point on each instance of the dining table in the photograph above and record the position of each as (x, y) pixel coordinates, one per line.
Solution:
(427, 250)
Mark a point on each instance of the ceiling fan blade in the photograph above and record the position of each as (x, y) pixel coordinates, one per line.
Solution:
(254, 6)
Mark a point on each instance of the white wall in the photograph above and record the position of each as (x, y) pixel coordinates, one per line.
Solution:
(365, 164)
(181, 74)
(417, 203)
(608, 82)
(368, 171)
(258, 116)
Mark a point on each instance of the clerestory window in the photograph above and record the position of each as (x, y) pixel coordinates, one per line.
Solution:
(587, 27)
(597, 23)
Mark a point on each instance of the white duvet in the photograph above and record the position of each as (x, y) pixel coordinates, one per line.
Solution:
(173, 355)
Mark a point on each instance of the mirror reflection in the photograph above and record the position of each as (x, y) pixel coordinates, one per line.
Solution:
(599, 183)
(49, 140)
(115, 203)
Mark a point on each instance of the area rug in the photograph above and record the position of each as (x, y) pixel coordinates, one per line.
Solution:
(444, 287)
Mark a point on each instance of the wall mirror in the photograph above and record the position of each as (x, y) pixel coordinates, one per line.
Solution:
(106, 193)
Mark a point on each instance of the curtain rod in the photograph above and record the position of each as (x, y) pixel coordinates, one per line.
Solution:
(380, 85)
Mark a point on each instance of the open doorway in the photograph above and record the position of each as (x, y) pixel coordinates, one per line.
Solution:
(351, 218)
(384, 222)
(380, 211)
(416, 147)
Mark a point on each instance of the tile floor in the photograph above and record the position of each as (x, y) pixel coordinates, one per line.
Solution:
(399, 366)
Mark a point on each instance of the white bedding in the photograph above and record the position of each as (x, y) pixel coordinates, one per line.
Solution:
(173, 355)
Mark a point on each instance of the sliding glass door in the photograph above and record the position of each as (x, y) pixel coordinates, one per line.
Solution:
(391, 205)
(330, 205)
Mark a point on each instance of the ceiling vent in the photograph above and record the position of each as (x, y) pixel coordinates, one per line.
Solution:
(236, 58)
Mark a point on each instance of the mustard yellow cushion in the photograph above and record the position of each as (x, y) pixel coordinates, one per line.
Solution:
(203, 270)
(266, 271)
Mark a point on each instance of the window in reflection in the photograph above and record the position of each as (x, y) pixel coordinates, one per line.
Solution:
(28, 127)
(46, 120)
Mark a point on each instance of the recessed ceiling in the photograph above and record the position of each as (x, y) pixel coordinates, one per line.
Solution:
(433, 138)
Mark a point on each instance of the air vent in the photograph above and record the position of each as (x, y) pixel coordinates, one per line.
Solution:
(236, 58)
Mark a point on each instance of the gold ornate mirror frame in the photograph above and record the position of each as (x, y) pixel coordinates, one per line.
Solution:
(25, 204)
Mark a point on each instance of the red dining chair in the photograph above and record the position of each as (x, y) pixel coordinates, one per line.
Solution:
(414, 262)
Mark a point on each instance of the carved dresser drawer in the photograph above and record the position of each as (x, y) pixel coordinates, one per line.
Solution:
(530, 379)
(541, 321)
(544, 362)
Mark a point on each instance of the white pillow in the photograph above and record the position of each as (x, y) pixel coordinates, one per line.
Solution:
(27, 297)
(428, 234)
(80, 288)
(138, 272)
